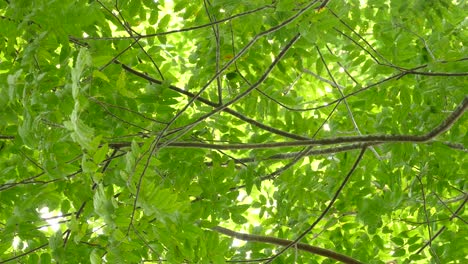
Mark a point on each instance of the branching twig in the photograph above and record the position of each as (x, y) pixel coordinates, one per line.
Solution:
(155, 144)
(183, 29)
(322, 215)
(215, 28)
(212, 104)
(350, 113)
(229, 63)
(418, 177)
(462, 205)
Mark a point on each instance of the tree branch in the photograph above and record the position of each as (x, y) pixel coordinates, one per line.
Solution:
(329, 206)
(284, 242)
(25, 253)
(182, 29)
(370, 139)
(226, 66)
(462, 205)
(212, 104)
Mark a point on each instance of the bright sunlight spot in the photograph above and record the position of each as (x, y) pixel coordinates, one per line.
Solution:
(237, 243)
(52, 221)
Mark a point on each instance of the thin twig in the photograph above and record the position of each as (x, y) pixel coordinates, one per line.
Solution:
(350, 113)
(215, 28)
(322, 215)
(462, 205)
(182, 29)
(229, 63)
(212, 104)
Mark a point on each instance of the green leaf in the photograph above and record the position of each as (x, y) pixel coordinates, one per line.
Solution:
(319, 66)
(121, 85)
(81, 133)
(239, 219)
(83, 60)
(25, 130)
(405, 98)
(13, 80)
(164, 22)
(378, 241)
(56, 240)
(46, 258)
(95, 257)
(100, 154)
(398, 241)
(284, 5)
(236, 96)
(399, 252)
(118, 235)
(100, 75)
(153, 19)
(103, 205)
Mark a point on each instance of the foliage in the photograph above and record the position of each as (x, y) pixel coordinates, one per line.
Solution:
(142, 131)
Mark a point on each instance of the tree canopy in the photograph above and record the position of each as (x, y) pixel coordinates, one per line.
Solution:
(217, 131)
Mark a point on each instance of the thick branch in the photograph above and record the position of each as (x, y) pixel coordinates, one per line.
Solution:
(284, 242)
(371, 139)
